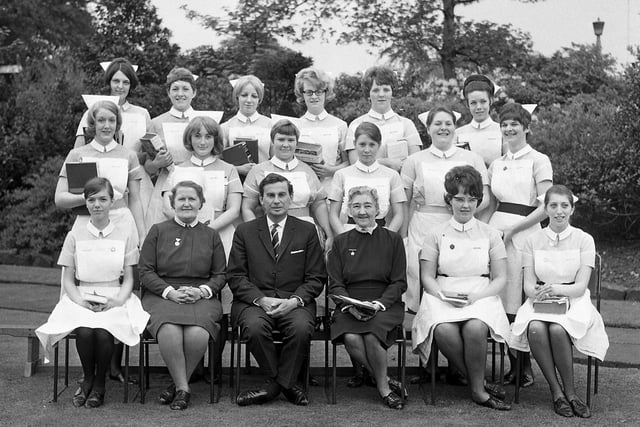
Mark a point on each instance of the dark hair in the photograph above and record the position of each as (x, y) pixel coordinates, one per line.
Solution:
(369, 129)
(439, 109)
(121, 64)
(478, 82)
(180, 74)
(515, 111)
(463, 178)
(96, 185)
(210, 126)
(186, 184)
(560, 190)
(381, 75)
(274, 178)
(284, 127)
(110, 107)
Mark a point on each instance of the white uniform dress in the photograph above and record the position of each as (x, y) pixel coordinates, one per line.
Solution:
(255, 127)
(556, 258)
(98, 257)
(483, 138)
(464, 253)
(424, 173)
(513, 180)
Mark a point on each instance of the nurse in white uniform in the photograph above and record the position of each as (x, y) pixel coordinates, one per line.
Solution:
(517, 180)
(423, 176)
(558, 262)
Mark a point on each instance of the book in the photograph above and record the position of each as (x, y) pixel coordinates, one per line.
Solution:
(364, 306)
(252, 147)
(551, 305)
(454, 297)
(78, 174)
(151, 144)
(237, 154)
(309, 152)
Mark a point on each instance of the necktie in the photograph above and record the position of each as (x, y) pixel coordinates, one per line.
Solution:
(275, 241)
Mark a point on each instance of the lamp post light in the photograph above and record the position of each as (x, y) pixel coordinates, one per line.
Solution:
(598, 27)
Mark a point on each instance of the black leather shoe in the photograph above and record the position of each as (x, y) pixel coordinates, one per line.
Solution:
(580, 409)
(95, 399)
(526, 380)
(396, 387)
(181, 402)
(496, 404)
(79, 397)
(296, 395)
(393, 401)
(167, 396)
(562, 407)
(495, 390)
(254, 397)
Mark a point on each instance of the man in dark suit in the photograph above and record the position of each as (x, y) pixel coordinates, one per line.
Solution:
(276, 270)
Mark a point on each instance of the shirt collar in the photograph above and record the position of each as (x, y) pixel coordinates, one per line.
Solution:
(125, 106)
(520, 153)
(293, 163)
(185, 225)
(103, 148)
(251, 119)
(280, 224)
(312, 117)
(206, 162)
(481, 125)
(463, 227)
(366, 230)
(367, 169)
(443, 154)
(556, 237)
(182, 115)
(100, 233)
(386, 116)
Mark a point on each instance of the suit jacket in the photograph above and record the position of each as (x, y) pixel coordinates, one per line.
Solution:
(254, 271)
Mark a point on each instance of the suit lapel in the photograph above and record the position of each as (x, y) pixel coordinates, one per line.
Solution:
(265, 236)
(287, 235)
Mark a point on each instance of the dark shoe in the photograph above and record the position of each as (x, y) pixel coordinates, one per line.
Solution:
(393, 401)
(181, 402)
(167, 396)
(117, 377)
(509, 378)
(95, 399)
(580, 409)
(456, 378)
(526, 380)
(356, 381)
(79, 397)
(296, 395)
(396, 387)
(495, 390)
(313, 381)
(562, 407)
(496, 404)
(254, 397)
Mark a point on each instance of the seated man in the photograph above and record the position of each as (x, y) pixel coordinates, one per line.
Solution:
(276, 270)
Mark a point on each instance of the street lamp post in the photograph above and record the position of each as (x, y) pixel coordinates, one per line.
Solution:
(598, 27)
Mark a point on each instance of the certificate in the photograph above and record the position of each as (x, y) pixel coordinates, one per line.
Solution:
(173, 139)
(134, 127)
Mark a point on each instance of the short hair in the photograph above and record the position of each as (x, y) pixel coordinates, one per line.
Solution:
(284, 127)
(515, 111)
(478, 82)
(369, 129)
(463, 178)
(274, 178)
(121, 64)
(186, 184)
(560, 190)
(439, 109)
(363, 190)
(316, 78)
(110, 107)
(96, 185)
(180, 74)
(381, 75)
(248, 80)
(210, 126)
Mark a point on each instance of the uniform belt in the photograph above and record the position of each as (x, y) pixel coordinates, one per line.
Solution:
(540, 282)
(446, 275)
(515, 208)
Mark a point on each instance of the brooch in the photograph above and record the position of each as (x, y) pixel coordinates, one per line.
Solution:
(113, 249)
(504, 168)
(452, 246)
(177, 242)
(352, 252)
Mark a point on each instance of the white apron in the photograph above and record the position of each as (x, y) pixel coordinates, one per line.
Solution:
(329, 139)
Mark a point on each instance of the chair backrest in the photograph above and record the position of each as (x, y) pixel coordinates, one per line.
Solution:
(595, 281)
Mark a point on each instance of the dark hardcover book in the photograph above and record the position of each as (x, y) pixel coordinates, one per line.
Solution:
(151, 144)
(78, 174)
(252, 147)
(237, 154)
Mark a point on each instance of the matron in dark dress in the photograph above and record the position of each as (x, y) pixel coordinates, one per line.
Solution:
(174, 255)
(369, 267)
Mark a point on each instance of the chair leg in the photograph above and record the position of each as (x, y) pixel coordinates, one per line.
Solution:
(307, 370)
(595, 376)
(516, 398)
(502, 348)
(326, 368)
(141, 373)
(493, 361)
(212, 369)
(232, 343)
(403, 364)
(589, 382)
(146, 364)
(236, 388)
(434, 369)
(55, 373)
(66, 361)
(333, 376)
(126, 374)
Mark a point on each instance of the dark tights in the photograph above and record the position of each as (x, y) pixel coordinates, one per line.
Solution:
(95, 347)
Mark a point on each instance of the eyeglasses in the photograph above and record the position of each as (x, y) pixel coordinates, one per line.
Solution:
(314, 92)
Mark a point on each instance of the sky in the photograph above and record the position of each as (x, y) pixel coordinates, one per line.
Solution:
(552, 24)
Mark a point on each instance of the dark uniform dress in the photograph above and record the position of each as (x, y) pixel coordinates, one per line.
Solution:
(368, 267)
(174, 255)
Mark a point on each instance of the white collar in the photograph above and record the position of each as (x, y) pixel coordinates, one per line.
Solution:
(556, 237)
(103, 148)
(443, 154)
(366, 230)
(293, 163)
(521, 152)
(463, 227)
(125, 106)
(312, 117)
(367, 169)
(202, 163)
(184, 224)
(386, 116)
(251, 119)
(485, 124)
(100, 233)
(182, 115)
(281, 224)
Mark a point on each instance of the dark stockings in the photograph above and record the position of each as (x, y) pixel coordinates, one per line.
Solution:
(95, 348)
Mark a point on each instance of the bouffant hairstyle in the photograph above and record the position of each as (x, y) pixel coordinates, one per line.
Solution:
(316, 78)
(107, 105)
(465, 179)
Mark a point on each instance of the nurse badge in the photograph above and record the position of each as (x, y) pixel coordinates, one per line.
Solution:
(177, 242)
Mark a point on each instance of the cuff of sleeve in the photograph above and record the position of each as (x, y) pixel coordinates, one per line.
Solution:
(300, 301)
(255, 302)
(206, 291)
(382, 307)
(165, 293)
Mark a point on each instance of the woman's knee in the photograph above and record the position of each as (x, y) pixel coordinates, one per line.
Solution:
(445, 331)
(557, 331)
